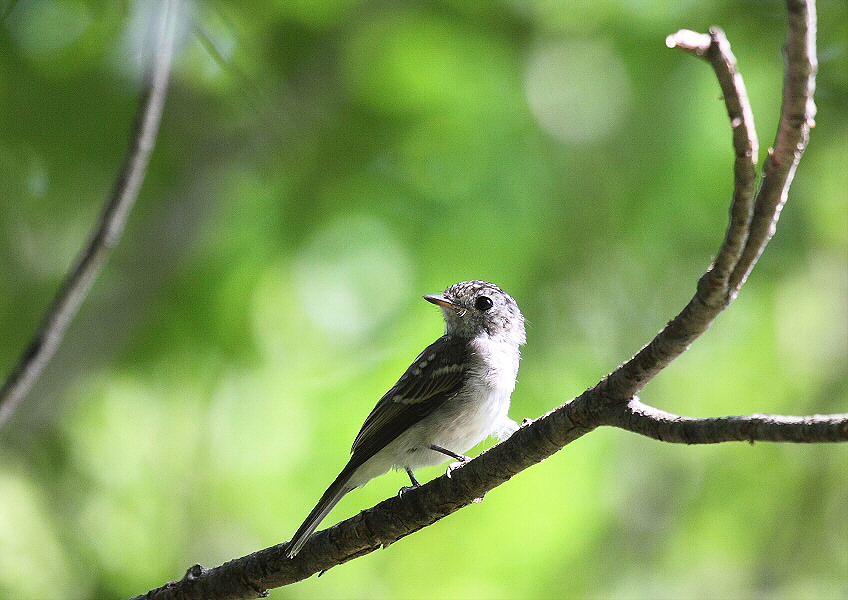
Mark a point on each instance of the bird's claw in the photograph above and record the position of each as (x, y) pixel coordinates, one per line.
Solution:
(406, 489)
(455, 465)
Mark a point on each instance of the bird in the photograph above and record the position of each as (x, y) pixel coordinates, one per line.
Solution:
(455, 394)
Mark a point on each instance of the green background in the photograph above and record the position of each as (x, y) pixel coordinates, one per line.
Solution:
(321, 165)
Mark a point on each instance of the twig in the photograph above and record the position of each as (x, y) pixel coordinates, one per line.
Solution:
(797, 116)
(714, 292)
(667, 427)
(715, 49)
(77, 283)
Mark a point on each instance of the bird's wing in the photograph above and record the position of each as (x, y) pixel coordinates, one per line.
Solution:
(436, 375)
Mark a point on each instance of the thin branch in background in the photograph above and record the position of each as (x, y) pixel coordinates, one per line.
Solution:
(245, 83)
(77, 283)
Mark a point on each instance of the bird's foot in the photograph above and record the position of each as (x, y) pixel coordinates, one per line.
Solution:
(415, 483)
(407, 488)
(455, 465)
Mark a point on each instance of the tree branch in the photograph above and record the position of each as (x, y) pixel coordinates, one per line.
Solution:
(797, 116)
(715, 49)
(715, 290)
(395, 518)
(667, 427)
(109, 227)
(613, 401)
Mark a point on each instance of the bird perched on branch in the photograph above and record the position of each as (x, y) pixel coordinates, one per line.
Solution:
(452, 397)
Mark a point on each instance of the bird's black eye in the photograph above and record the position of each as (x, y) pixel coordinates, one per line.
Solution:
(483, 303)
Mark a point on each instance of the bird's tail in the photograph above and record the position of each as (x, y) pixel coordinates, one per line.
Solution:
(331, 497)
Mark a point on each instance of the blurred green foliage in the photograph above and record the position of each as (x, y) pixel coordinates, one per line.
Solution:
(321, 165)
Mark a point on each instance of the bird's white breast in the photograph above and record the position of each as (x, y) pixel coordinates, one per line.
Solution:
(463, 421)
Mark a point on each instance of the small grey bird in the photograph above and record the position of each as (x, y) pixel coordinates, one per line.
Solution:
(452, 397)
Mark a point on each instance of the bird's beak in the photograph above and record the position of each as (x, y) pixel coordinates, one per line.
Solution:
(440, 300)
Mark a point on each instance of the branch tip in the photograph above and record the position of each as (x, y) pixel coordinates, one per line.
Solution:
(689, 40)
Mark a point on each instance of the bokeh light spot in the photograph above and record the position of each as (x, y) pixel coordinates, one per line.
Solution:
(351, 276)
(45, 28)
(578, 90)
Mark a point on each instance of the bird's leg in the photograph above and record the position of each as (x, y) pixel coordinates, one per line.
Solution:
(450, 453)
(412, 478)
(415, 483)
(460, 459)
